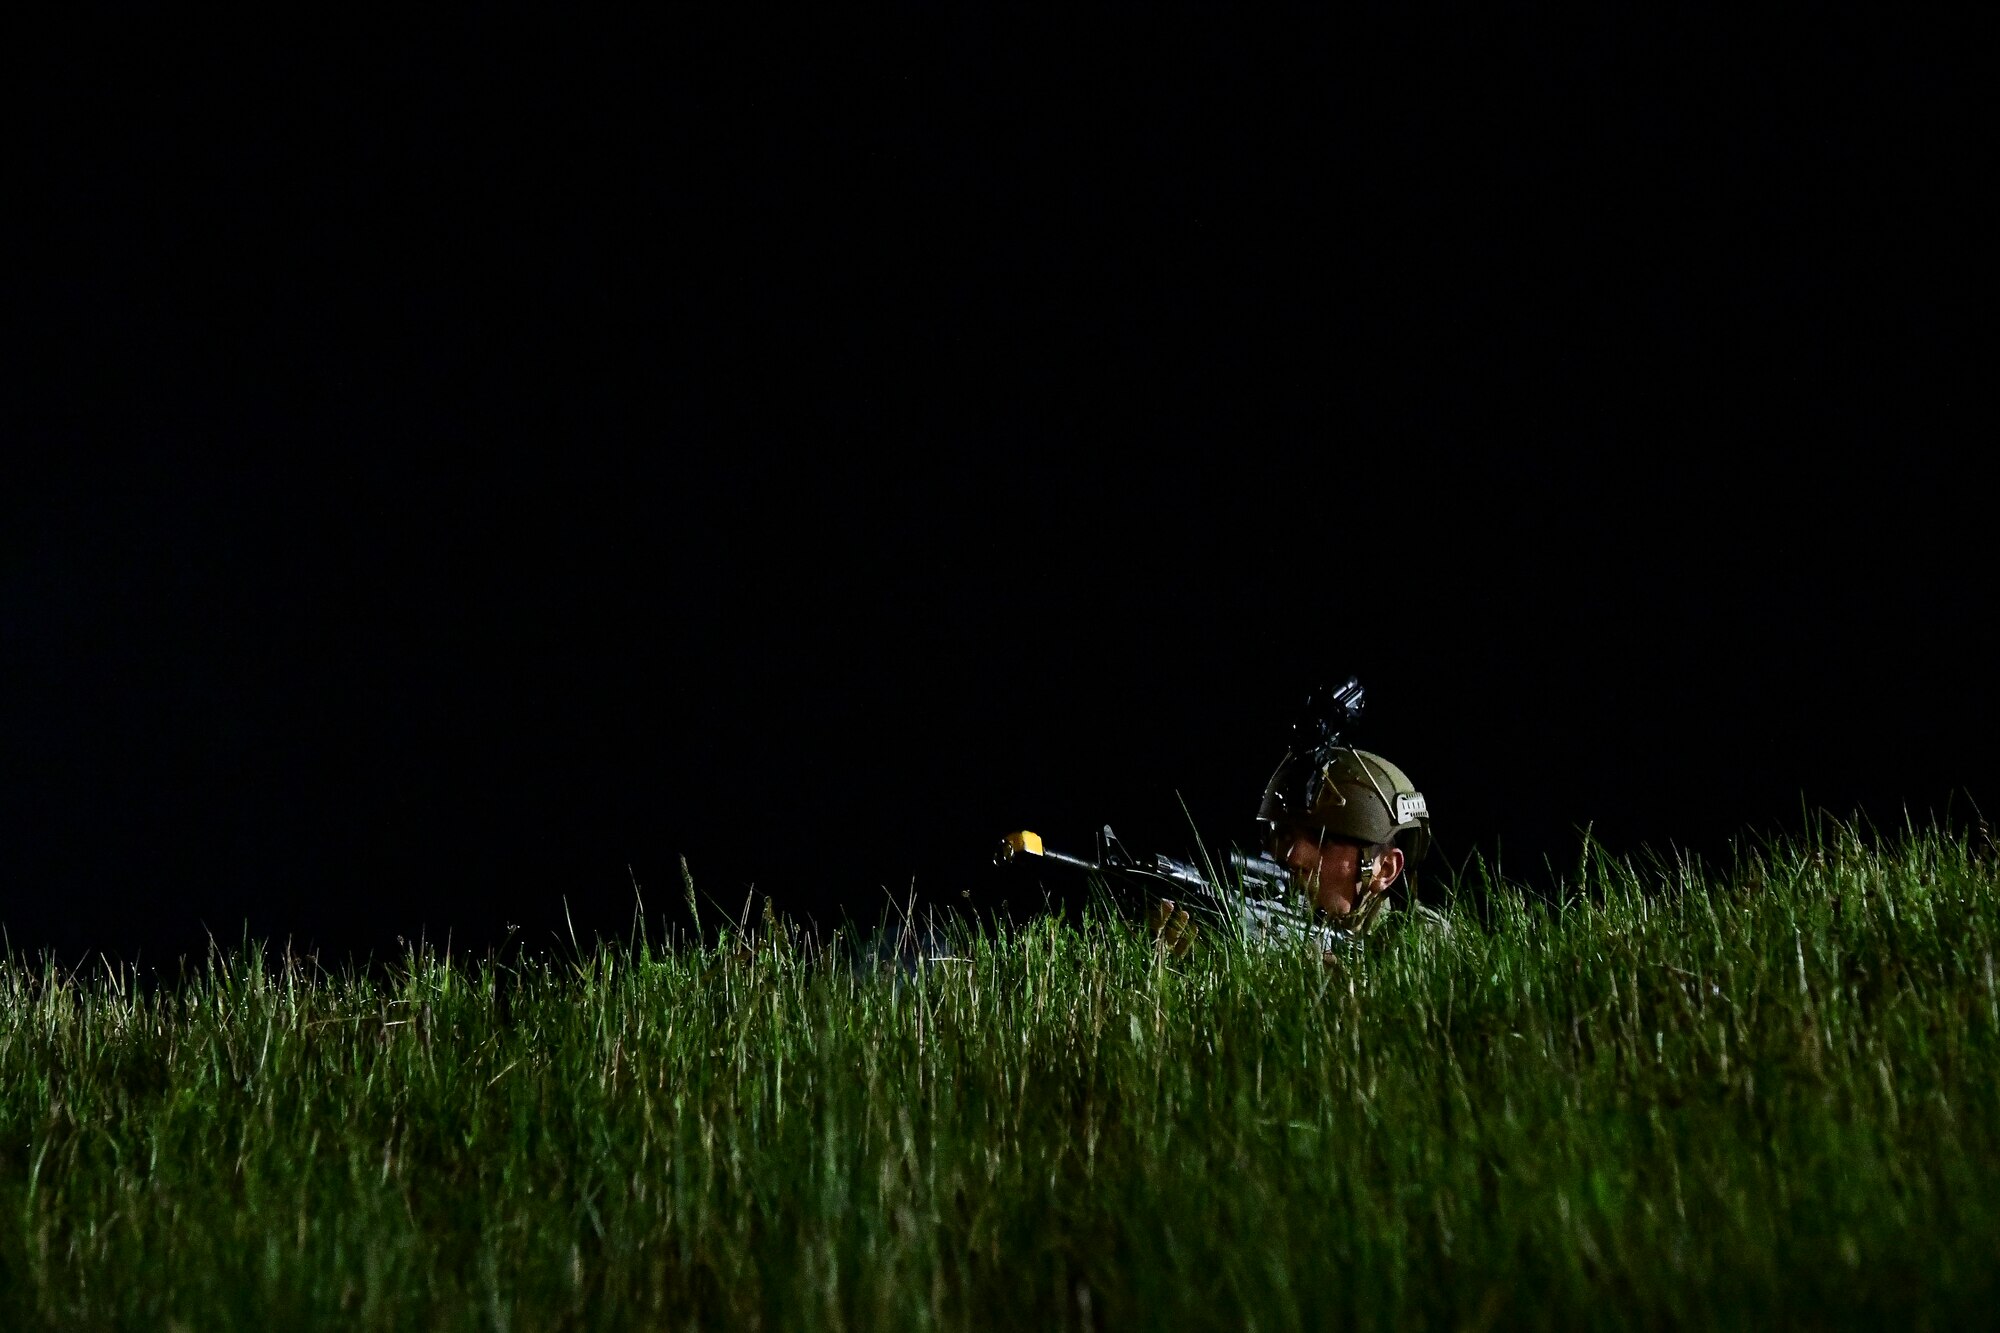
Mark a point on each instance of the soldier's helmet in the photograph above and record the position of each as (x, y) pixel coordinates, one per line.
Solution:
(1348, 793)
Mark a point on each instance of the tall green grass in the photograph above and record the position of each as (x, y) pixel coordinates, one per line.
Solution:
(1763, 1096)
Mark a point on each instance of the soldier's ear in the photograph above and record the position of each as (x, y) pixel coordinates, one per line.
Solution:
(1388, 867)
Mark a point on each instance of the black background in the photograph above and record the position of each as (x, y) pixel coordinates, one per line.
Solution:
(454, 466)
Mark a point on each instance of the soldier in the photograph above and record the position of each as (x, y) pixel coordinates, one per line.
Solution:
(1348, 825)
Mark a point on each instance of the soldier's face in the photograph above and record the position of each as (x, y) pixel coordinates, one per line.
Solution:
(1326, 868)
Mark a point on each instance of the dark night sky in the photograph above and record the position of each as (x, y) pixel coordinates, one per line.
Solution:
(460, 463)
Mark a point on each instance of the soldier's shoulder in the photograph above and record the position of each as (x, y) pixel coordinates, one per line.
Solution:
(1414, 916)
(1429, 918)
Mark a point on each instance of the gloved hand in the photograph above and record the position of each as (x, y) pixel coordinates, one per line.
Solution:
(1172, 930)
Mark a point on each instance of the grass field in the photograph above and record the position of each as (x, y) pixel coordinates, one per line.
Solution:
(1766, 1095)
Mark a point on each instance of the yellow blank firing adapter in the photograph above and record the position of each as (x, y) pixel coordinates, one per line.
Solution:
(1015, 843)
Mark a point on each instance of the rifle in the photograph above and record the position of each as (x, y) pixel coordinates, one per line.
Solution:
(1253, 900)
